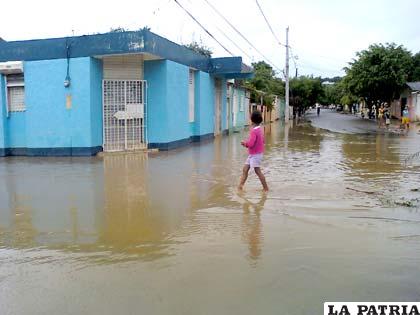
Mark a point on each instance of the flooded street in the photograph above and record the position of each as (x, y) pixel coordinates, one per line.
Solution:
(168, 233)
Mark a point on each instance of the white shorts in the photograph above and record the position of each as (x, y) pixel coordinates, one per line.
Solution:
(254, 160)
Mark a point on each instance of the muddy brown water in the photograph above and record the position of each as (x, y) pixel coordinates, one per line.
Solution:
(168, 233)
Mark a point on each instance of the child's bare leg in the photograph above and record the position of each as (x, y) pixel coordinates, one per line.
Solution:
(244, 176)
(261, 177)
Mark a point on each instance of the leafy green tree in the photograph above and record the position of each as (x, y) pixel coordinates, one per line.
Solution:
(416, 68)
(379, 73)
(306, 91)
(338, 93)
(264, 84)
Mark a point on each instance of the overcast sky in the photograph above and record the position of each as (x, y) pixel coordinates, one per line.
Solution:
(324, 34)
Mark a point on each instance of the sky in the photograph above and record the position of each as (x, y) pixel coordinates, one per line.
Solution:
(324, 35)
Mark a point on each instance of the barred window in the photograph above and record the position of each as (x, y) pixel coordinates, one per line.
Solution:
(16, 93)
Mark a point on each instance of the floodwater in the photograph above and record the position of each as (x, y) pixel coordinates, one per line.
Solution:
(168, 233)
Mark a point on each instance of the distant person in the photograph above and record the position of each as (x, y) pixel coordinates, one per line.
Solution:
(381, 116)
(373, 115)
(405, 120)
(318, 109)
(255, 145)
(387, 115)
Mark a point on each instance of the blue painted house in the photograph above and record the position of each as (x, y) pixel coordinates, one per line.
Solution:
(238, 99)
(110, 92)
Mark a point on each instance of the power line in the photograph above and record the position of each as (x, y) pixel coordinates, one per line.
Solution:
(278, 41)
(240, 34)
(236, 45)
(268, 24)
(275, 36)
(203, 27)
(232, 41)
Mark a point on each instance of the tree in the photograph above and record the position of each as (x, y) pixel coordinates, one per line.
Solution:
(199, 48)
(264, 84)
(338, 93)
(379, 73)
(416, 68)
(306, 91)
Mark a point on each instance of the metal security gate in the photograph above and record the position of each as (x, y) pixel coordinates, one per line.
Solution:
(124, 115)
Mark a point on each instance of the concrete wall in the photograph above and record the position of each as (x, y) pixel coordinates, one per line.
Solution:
(240, 115)
(157, 114)
(224, 106)
(58, 120)
(3, 129)
(167, 103)
(204, 104)
(413, 101)
(168, 107)
(96, 113)
(177, 76)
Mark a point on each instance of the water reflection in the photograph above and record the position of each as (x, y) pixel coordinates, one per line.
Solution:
(373, 156)
(305, 138)
(49, 201)
(252, 231)
(125, 204)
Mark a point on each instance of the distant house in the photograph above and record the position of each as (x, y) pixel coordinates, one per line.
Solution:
(238, 102)
(411, 97)
(112, 92)
(276, 112)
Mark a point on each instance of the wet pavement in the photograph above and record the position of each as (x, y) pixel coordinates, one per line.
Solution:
(342, 123)
(168, 233)
(353, 124)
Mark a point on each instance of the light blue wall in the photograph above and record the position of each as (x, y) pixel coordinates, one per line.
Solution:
(157, 112)
(224, 105)
(240, 118)
(204, 104)
(16, 130)
(168, 102)
(47, 123)
(177, 101)
(45, 97)
(96, 121)
(3, 126)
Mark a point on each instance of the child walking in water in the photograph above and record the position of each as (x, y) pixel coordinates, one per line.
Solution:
(255, 145)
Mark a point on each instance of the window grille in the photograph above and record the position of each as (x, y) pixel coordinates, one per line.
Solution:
(15, 93)
(124, 115)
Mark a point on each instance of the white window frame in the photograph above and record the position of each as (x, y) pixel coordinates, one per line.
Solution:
(12, 87)
(191, 95)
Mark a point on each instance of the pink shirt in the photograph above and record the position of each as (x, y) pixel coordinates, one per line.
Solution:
(255, 142)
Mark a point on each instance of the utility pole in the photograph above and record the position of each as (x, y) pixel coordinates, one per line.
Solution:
(286, 111)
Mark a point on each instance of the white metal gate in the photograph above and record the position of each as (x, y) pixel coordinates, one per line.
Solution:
(124, 115)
